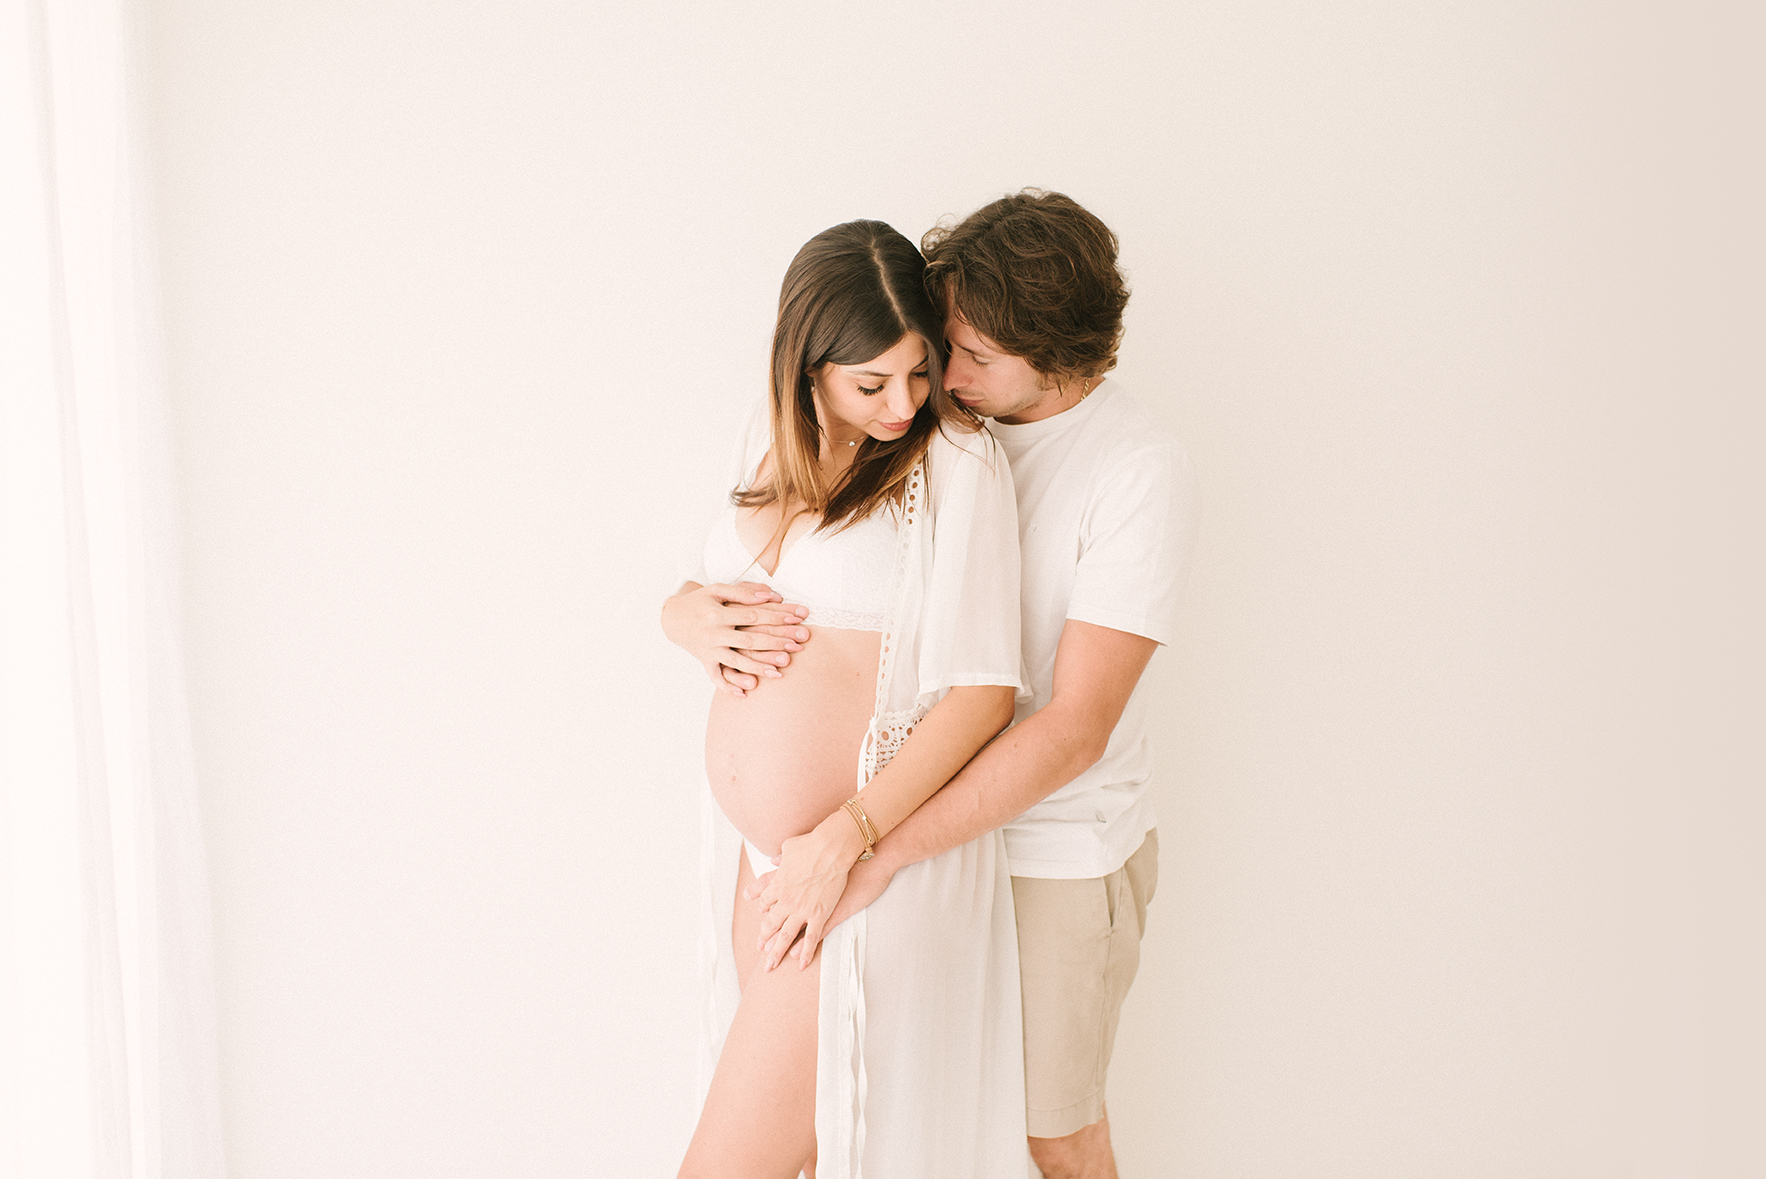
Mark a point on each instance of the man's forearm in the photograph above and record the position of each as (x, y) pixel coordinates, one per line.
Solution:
(1014, 772)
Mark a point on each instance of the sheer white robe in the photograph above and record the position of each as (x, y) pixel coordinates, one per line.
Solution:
(920, 1068)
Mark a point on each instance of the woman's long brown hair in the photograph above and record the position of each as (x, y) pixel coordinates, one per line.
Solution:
(852, 293)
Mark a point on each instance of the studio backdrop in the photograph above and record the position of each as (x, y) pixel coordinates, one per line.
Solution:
(464, 303)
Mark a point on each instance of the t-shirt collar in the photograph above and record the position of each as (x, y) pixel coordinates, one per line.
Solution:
(1025, 431)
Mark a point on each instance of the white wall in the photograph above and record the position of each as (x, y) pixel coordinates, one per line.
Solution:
(463, 299)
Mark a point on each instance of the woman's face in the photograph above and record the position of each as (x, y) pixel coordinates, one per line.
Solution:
(879, 397)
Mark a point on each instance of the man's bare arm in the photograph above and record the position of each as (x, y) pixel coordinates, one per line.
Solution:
(1096, 668)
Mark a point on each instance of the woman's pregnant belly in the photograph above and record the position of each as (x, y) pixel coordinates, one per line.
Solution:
(782, 758)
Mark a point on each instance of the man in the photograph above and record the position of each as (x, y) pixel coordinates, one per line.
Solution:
(1033, 302)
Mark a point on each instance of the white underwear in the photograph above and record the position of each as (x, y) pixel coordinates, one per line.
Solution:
(758, 861)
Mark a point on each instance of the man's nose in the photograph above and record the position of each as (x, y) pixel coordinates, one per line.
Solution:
(956, 373)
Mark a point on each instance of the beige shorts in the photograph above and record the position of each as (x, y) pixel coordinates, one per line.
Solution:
(1079, 943)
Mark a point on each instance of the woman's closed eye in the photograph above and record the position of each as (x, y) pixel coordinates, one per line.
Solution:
(922, 375)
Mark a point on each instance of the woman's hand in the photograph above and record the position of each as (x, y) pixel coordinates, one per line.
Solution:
(739, 633)
(802, 893)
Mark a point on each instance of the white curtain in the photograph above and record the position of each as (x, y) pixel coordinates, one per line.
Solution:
(107, 1015)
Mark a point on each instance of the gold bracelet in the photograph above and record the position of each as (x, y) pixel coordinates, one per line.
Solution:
(867, 830)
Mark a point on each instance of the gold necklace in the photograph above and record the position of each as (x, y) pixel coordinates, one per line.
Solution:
(815, 390)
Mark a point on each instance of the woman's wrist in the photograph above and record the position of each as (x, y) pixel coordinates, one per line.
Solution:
(843, 836)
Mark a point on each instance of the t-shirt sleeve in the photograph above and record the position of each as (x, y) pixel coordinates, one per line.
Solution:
(972, 633)
(1135, 542)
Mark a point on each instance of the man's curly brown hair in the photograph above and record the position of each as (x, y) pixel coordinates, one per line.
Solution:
(1036, 274)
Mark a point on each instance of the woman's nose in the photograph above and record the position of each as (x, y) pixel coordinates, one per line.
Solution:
(902, 401)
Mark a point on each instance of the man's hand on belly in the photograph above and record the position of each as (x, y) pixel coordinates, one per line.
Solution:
(772, 660)
(739, 633)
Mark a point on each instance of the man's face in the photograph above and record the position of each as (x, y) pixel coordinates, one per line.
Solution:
(991, 382)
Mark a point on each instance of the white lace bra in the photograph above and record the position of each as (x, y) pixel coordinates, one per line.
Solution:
(844, 577)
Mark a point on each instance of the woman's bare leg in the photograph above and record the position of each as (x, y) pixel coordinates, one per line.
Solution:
(759, 1120)
(744, 923)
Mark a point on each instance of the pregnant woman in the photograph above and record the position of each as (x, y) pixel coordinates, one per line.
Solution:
(861, 491)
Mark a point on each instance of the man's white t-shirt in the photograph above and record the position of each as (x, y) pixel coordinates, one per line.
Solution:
(1106, 515)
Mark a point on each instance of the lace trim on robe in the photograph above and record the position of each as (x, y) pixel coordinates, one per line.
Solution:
(883, 740)
(888, 730)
